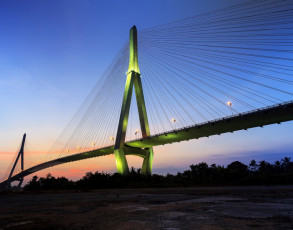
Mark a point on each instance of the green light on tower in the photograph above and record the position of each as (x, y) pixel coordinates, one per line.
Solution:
(132, 81)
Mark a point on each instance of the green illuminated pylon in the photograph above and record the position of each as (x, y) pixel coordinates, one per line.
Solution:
(133, 79)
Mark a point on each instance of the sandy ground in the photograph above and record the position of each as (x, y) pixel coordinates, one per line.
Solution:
(176, 208)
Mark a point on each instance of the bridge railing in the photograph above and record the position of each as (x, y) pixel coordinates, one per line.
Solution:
(218, 119)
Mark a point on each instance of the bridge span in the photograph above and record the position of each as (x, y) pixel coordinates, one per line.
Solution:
(256, 118)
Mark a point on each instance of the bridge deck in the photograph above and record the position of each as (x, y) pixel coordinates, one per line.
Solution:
(256, 118)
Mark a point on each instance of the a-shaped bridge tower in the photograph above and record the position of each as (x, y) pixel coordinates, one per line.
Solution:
(133, 81)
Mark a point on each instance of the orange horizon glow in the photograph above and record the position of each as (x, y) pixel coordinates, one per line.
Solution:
(170, 157)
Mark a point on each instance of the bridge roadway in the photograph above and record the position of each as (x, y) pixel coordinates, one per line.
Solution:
(257, 118)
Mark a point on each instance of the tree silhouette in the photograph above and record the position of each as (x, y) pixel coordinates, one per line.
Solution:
(236, 173)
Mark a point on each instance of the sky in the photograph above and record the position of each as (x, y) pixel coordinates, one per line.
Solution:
(52, 53)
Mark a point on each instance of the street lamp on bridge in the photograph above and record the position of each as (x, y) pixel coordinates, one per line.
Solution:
(174, 121)
(229, 103)
(136, 133)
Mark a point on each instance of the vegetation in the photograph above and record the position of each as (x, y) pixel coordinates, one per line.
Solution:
(236, 173)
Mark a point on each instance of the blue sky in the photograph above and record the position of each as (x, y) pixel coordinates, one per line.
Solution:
(52, 54)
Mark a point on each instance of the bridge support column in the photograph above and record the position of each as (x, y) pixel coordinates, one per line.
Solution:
(121, 162)
(147, 164)
(133, 80)
(7, 184)
(20, 183)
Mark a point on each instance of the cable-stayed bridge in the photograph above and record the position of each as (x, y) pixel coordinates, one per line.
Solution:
(214, 73)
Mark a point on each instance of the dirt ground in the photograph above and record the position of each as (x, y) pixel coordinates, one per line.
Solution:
(175, 208)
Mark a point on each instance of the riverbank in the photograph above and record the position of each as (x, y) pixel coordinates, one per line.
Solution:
(173, 208)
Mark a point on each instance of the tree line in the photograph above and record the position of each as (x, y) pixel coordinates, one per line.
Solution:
(202, 174)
